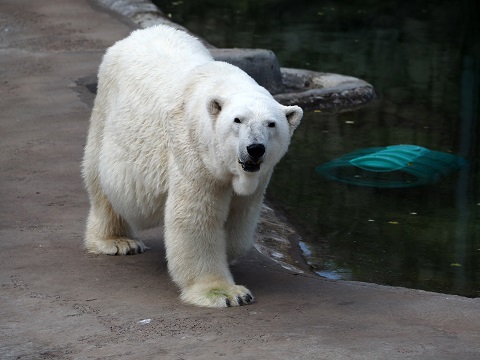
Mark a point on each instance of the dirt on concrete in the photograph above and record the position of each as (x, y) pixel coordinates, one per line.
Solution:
(58, 302)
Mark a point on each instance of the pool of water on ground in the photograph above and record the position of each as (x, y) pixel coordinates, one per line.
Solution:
(424, 60)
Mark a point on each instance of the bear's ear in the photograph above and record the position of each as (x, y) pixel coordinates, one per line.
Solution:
(294, 114)
(215, 106)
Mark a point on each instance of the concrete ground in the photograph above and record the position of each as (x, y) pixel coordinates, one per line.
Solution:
(58, 302)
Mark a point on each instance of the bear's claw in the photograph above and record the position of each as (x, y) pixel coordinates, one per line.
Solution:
(225, 296)
(115, 246)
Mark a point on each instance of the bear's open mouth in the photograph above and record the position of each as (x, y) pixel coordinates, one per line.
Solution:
(250, 166)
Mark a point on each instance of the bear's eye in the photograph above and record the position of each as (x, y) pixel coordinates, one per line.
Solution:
(237, 121)
(271, 124)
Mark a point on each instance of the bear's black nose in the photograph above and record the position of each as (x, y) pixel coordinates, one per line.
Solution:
(256, 150)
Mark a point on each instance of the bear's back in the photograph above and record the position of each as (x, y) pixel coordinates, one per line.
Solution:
(159, 55)
(166, 43)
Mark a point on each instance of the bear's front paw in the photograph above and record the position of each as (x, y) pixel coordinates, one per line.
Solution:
(115, 246)
(217, 296)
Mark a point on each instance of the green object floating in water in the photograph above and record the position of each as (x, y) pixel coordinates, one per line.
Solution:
(396, 166)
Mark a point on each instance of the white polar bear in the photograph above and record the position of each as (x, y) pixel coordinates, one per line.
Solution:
(179, 139)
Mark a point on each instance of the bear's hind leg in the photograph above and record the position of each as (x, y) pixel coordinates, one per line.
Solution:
(108, 233)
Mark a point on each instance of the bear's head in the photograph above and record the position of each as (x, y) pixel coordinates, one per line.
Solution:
(252, 132)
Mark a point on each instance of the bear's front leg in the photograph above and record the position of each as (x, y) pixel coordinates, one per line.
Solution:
(241, 223)
(195, 242)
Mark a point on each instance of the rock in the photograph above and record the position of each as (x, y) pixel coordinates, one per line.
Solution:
(260, 64)
(326, 91)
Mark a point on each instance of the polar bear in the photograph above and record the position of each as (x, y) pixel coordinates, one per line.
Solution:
(180, 140)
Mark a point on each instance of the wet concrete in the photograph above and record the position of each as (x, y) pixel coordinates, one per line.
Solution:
(58, 302)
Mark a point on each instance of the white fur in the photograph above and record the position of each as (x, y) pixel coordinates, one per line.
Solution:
(164, 148)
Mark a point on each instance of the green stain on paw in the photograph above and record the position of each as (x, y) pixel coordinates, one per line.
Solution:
(217, 292)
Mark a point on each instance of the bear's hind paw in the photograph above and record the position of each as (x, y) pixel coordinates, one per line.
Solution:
(116, 246)
(219, 296)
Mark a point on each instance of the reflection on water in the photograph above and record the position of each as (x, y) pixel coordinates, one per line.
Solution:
(424, 60)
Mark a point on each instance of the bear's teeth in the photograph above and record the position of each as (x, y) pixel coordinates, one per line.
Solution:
(250, 166)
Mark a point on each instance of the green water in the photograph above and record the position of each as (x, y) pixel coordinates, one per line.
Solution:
(424, 60)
